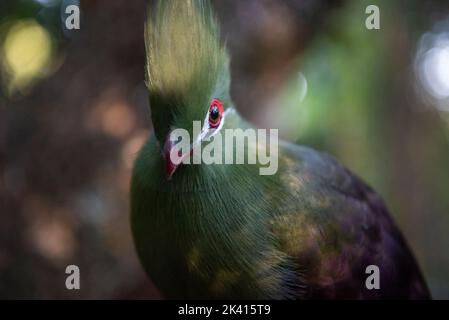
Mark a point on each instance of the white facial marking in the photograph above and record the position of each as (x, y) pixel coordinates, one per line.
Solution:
(207, 131)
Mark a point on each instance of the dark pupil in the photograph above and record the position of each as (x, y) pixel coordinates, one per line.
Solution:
(214, 113)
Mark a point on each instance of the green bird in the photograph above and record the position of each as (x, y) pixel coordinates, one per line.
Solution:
(311, 230)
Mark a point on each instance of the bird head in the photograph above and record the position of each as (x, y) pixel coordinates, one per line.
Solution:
(186, 72)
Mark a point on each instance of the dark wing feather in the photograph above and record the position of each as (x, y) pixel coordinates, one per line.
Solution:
(340, 227)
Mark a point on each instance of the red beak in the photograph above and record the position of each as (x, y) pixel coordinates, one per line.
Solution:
(170, 166)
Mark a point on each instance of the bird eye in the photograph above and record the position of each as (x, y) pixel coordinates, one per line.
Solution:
(215, 113)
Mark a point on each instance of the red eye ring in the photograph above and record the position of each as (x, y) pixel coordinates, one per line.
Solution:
(215, 113)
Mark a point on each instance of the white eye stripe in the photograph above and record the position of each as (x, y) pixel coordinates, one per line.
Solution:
(207, 131)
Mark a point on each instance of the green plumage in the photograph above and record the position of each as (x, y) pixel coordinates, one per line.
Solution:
(224, 231)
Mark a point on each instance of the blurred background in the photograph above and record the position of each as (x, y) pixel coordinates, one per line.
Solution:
(74, 112)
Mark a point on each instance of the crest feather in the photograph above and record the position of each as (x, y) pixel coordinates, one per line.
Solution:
(184, 55)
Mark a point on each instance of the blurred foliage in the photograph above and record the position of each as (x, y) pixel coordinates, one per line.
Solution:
(74, 112)
(29, 32)
(363, 106)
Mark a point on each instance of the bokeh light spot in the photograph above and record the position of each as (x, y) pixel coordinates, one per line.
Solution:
(27, 51)
(436, 70)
